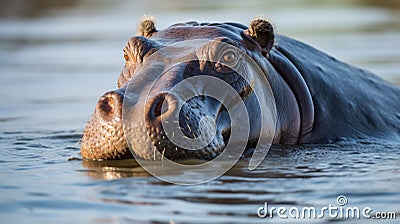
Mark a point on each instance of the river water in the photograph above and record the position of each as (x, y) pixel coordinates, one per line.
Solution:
(58, 57)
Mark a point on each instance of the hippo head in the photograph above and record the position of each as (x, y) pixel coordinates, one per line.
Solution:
(149, 97)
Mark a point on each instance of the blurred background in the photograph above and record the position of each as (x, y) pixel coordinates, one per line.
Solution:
(58, 57)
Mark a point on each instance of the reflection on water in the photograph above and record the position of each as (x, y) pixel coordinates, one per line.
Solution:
(110, 170)
(58, 57)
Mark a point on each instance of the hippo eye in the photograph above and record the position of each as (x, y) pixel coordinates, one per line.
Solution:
(228, 61)
(229, 57)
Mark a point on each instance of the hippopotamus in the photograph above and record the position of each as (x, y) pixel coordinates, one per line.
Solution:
(318, 98)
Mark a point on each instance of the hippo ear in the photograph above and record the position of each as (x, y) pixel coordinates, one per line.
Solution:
(147, 27)
(262, 32)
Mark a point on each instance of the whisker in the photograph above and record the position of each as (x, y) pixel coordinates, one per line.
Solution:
(154, 153)
(190, 129)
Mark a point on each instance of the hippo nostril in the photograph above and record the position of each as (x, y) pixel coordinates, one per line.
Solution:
(109, 105)
(106, 105)
(160, 105)
(159, 108)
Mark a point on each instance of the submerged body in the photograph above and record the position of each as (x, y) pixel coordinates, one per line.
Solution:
(318, 98)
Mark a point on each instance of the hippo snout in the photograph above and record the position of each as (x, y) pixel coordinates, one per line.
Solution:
(104, 137)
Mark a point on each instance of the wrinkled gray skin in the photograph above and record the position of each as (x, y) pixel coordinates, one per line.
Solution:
(318, 98)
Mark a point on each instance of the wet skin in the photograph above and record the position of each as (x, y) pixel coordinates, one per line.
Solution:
(318, 98)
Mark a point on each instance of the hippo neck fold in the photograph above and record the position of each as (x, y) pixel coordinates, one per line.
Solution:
(293, 78)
